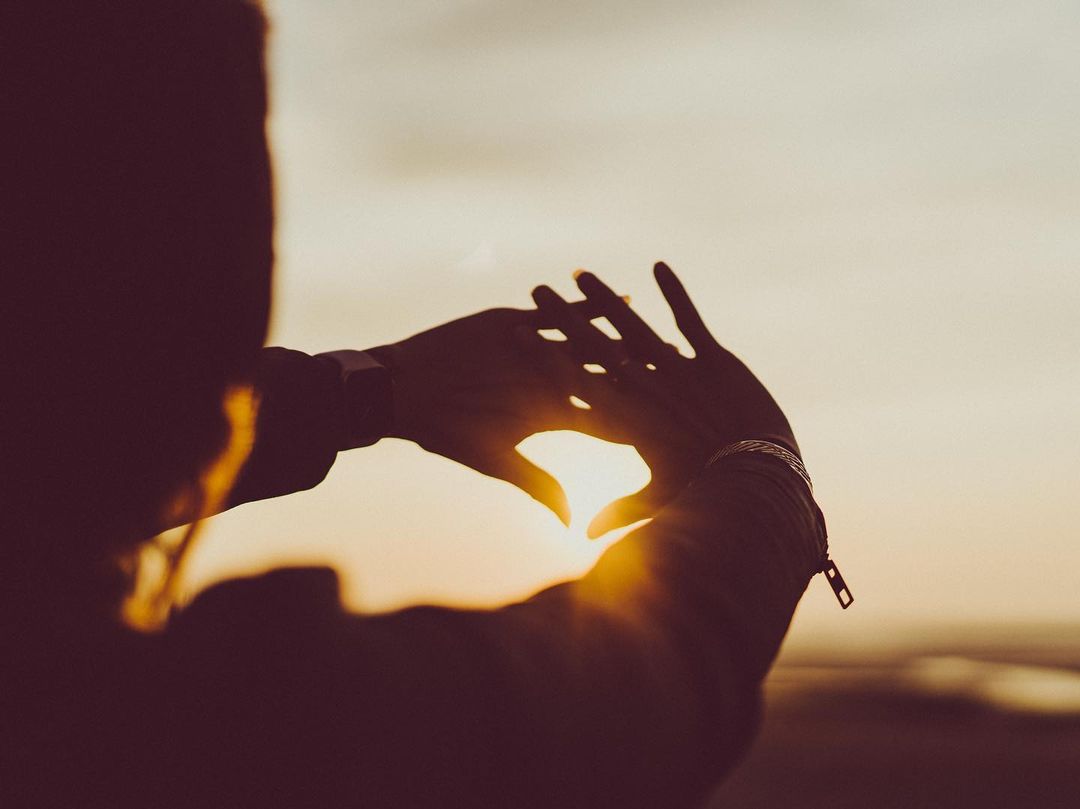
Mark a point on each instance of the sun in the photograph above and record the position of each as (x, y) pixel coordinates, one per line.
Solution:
(593, 473)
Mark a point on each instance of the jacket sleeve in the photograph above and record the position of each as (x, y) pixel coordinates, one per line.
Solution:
(635, 686)
(299, 426)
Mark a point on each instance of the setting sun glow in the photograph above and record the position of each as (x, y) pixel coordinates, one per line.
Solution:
(900, 272)
(593, 473)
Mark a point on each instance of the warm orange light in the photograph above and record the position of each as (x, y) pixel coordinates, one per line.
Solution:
(593, 473)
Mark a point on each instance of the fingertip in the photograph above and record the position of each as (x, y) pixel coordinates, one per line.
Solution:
(659, 276)
(561, 508)
(576, 274)
(554, 500)
(599, 525)
(544, 293)
(585, 279)
(558, 502)
(592, 286)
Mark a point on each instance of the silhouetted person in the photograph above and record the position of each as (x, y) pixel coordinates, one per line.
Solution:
(137, 264)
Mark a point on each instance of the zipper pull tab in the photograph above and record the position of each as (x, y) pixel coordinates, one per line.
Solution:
(837, 583)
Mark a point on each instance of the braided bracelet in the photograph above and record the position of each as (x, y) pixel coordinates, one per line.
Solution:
(769, 448)
(828, 567)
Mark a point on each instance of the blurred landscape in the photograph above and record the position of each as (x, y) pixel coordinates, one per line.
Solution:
(979, 717)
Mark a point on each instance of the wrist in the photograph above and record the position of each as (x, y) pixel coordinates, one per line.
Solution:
(794, 463)
(392, 357)
(366, 397)
(765, 447)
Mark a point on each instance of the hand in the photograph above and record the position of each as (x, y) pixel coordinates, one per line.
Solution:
(676, 410)
(465, 391)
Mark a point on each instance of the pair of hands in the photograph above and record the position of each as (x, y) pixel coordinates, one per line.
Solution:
(473, 389)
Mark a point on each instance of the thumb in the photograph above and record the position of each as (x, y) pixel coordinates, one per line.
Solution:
(531, 479)
(626, 510)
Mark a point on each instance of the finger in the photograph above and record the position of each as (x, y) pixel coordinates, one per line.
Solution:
(686, 314)
(576, 353)
(640, 340)
(626, 510)
(676, 406)
(563, 369)
(587, 309)
(609, 414)
(596, 389)
(516, 469)
(586, 340)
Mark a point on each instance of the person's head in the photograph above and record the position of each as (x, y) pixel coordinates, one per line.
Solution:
(136, 271)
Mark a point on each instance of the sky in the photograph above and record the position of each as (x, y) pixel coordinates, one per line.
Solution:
(875, 204)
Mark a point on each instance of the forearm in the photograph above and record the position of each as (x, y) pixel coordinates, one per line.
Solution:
(729, 560)
(634, 686)
(299, 427)
(673, 630)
